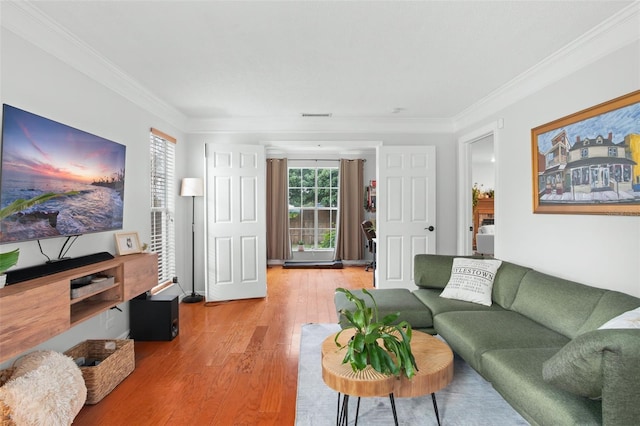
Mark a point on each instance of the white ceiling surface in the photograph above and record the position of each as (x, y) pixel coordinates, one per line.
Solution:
(263, 59)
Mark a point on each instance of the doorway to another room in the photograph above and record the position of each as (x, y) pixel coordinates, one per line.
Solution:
(477, 189)
(483, 195)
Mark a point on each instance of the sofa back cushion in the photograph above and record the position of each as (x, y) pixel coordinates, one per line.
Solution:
(561, 305)
(433, 271)
(507, 282)
(611, 304)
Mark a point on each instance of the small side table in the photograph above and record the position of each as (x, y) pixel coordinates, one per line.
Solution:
(435, 371)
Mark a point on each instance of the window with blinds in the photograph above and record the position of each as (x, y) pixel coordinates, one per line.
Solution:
(163, 204)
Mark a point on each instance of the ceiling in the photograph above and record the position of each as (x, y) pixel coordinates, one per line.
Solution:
(421, 59)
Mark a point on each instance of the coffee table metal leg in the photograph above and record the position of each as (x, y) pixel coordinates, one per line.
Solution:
(393, 408)
(345, 410)
(435, 407)
(357, 411)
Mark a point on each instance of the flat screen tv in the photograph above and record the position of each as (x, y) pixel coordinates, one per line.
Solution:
(41, 156)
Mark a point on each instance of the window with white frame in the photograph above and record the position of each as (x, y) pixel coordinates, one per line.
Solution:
(313, 207)
(163, 204)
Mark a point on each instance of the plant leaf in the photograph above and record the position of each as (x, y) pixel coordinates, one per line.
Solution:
(388, 319)
(8, 259)
(21, 204)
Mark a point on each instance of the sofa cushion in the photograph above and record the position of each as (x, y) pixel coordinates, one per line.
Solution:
(507, 282)
(471, 280)
(389, 301)
(559, 304)
(517, 374)
(432, 270)
(471, 333)
(580, 365)
(437, 305)
(611, 304)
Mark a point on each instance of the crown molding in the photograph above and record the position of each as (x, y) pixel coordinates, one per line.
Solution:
(318, 125)
(27, 21)
(612, 34)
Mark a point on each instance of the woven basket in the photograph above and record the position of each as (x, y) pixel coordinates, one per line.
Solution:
(115, 365)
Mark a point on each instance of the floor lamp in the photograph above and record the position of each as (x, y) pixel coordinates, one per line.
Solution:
(192, 187)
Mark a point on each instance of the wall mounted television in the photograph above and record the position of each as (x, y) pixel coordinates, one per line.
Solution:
(42, 156)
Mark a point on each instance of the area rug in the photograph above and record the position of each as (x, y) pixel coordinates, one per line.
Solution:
(468, 400)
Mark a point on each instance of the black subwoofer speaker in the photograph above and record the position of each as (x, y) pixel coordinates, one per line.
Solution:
(154, 318)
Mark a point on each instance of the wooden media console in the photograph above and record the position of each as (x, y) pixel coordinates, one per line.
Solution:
(34, 311)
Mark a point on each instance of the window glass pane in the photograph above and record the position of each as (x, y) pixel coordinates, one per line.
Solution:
(309, 177)
(334, 198)
(308, 197)
(294, 198)
(308, 219)
(324, 219)
(327, 238)
(324, 178)
(295, 179)
(324, 197)
(295, 219)
(334, 178)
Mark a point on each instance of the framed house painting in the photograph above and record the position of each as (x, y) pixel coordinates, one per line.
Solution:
(589, 162)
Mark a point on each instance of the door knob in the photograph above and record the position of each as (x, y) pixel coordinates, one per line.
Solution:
(431, 229)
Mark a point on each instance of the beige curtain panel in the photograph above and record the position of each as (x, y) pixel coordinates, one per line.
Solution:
(278, 244)
(349, 241)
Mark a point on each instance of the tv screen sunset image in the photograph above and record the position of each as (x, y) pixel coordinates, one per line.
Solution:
(79, 177)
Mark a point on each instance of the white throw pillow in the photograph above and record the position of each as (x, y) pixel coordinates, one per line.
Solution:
(629, 319)
(471, 280)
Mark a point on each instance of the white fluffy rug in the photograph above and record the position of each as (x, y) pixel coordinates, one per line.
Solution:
(46, 389)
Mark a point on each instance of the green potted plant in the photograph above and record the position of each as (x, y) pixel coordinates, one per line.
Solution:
(377, 342)
(9, 259)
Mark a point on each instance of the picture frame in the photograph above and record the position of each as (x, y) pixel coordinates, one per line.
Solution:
(128, 243)
(589, 162)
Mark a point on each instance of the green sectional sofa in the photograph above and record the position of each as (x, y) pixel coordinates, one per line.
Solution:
(538, 344)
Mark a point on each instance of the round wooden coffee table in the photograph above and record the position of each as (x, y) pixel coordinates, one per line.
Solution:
(435, 371)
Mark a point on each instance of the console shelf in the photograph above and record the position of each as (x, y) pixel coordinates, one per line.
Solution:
(34, 311)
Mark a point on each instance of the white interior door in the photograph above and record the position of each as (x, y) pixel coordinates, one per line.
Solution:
(236, 260)
(406, 212)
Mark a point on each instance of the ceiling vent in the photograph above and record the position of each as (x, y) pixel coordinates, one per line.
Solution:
(316, 115)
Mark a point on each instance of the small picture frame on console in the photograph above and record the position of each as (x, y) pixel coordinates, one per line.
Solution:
(128, 243)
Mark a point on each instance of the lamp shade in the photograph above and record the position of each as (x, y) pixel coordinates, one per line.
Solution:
(192, 187)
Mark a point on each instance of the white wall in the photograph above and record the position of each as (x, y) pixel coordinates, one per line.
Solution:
(603, 251)
(39, 83)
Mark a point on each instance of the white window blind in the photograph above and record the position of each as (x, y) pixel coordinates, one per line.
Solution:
(163, 204)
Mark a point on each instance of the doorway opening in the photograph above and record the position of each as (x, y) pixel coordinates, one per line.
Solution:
(474, 171)
(483, 195)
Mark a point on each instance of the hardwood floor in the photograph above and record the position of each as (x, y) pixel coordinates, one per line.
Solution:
(233, 363)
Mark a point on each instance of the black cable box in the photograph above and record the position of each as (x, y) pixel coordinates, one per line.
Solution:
(31, 272)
